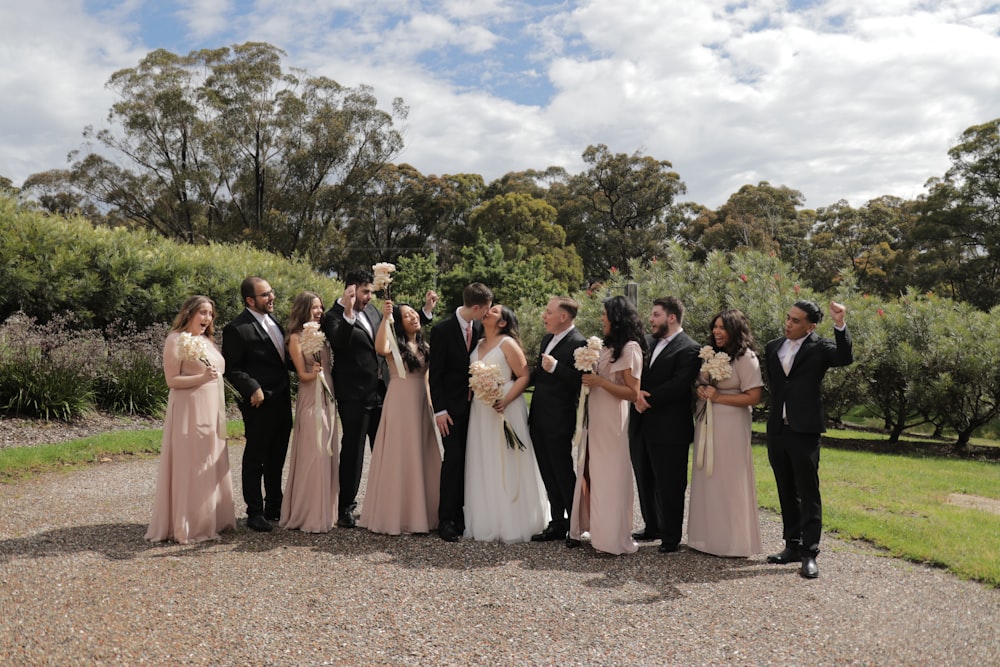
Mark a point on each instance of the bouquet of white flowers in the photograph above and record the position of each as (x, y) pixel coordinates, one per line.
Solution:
(383, 276)
(192, 348)
(486, 382)
(585, 359)
(715, 367)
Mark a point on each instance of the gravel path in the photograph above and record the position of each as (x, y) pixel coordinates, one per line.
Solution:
(78, 585)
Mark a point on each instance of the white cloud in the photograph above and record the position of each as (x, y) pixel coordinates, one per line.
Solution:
(52, 86)
(205, 18)
(841, 100)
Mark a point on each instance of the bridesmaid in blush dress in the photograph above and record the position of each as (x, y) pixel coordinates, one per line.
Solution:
(310, 500)
(404, 477)
(194, 490)
(603, 501)
(722, 519)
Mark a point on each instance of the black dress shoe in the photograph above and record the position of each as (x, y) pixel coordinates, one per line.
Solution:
(573, 543)
(787, 555)
(809, 568)
(448, 532)
(259, 523)
(272, 515)
(668, 547)
(645, 536)
(346, 520)
(550, 534)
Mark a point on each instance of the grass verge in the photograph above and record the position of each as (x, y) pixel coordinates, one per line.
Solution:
(21, 462)
(900, 503)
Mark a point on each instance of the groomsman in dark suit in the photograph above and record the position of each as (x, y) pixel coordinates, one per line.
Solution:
(359, 381)
(451, 341)
(553, 412)
(796, 365)
(253, 346)
(661, 426)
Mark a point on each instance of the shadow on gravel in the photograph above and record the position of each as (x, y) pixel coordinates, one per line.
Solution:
(659, 574)
(114, 541)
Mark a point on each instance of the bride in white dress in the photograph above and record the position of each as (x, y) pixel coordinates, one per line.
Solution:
(505, 500)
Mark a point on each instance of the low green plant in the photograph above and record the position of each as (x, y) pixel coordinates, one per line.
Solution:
(131, 381)
(47, 371)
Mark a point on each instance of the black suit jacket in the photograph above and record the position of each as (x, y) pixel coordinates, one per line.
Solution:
(800, 391)
(251, 358)
(556, 394)
(449, 366)
(670, 382)
(359, 373)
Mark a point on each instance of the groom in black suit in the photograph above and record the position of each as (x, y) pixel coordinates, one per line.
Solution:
(661, 424)
(451, 342)
(796, 365)
(253, 346)
(553, 412)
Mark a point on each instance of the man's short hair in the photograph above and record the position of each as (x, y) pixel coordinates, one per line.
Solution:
(568, 304)
(811, 309)
(477, 294)
(358, 277)
(248, 288)
(672, 306)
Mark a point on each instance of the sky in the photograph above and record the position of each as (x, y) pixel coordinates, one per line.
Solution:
(838, 99)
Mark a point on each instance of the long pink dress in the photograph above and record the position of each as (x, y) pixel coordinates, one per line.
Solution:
(722, 515)
(404, 477)
(603, 500)
(194, 490)
(309, 503)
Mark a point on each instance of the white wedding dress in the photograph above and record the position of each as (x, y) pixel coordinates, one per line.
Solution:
(505, 500)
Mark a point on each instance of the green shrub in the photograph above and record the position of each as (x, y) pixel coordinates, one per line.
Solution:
(131, 380)
(47, 371)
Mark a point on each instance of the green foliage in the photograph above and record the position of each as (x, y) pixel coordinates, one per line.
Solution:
(47, 372)
(512, 281)
(131, 379)
(900, 504)
(102, 275)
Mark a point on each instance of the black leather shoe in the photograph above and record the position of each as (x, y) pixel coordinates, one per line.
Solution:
(645, 536)
(259, 523)
(573, 543)
(346, 520)
(786, 555)
(668, 547)
(550, 534)
(809, 568)
(272, 515)
(448, 532)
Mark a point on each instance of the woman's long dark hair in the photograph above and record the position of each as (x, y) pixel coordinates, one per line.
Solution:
(737, 326)
(625, 326)
(412, 361)
(512, 329)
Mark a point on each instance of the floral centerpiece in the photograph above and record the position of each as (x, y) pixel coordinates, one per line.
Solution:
(585, 359)
(486, 382)
(715, 367)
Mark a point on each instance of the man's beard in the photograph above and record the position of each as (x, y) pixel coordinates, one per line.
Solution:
(660, 331)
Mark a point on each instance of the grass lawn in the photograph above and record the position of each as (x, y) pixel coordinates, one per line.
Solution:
(20, 462)
(900, 503)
